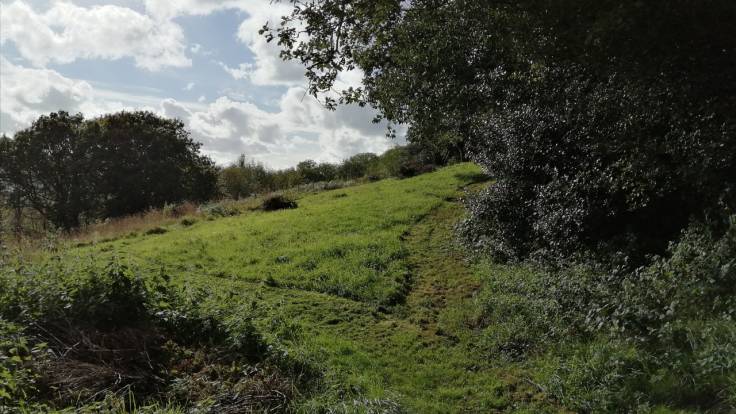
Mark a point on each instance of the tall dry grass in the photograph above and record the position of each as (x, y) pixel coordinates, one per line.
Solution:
(37, 236)
(138, 223)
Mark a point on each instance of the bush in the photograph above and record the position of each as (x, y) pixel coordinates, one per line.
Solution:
(187, 222)
(156, 230)
(604, 167)
(111, 334)
(662, 334)
(221, 209)
(616, 376)
(277, 201)
(17, 379)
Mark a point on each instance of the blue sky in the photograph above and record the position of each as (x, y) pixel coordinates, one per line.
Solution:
(198, 60)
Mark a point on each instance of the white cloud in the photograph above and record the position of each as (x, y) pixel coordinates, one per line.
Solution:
(65, 33)
(268, 68)
(296, 128)
(301, 128)
(27, 93)
(168, 9)
(243, 71)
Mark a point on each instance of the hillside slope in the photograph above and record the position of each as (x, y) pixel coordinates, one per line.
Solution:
(365, 278)
(364, 284)
(346, 242)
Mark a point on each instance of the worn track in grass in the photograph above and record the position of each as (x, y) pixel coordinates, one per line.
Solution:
(366, 282)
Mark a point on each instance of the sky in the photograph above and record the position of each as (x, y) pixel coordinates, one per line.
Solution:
(201, 61)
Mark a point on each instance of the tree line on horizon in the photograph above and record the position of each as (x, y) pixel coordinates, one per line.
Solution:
(70, 171)
(245, 177)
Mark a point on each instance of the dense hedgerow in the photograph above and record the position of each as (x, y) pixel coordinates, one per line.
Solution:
(661, 334)
(613, 166)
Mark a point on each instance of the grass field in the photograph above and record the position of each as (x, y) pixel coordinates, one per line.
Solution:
(366, 278)
(366, 283)
(359, 300)
(346, 243)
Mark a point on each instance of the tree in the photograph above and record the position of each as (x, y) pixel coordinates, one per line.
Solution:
(244, 178)
(311, 172)
(148, 161)
(5, 189)
(357, 166)
(49, 167)
(609, 125)
(286, 178)
(70, 170)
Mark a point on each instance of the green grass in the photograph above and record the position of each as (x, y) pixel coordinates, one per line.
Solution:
(366, 280)
(367, 283)
(362, 299)
(345, 242)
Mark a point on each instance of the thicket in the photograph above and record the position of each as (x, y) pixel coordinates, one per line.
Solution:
(96, 337)
(662, 335)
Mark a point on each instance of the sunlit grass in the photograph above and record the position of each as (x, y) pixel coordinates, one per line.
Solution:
(343, 242)
(366, 282)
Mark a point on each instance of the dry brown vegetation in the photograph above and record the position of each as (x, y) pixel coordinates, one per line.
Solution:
(35, 236)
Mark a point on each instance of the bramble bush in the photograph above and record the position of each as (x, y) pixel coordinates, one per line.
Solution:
(661, 334)
(81, 334)
(277, 201)
(602, 167)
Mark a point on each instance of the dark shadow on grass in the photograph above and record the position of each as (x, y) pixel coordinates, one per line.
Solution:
(473, 178)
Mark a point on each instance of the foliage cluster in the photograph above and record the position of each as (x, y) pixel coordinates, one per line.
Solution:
(93, 335)
(71, 170)
(244, 178)
(602, 167)
(660, 335)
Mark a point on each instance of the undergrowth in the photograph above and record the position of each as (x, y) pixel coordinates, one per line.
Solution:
(608, 339)
(93, 336)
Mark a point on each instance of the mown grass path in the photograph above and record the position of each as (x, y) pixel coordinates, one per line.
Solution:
(367, 283)
(422, 353)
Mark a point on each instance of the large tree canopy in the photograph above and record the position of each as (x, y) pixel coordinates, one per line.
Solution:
(608, 124)
(70, 169)
(49, 168)
(148, 161)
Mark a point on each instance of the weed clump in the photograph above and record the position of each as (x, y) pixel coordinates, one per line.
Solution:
(187, 222)
(277, 201)
(156, 230)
